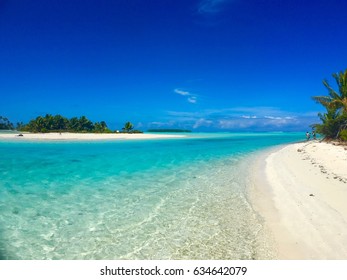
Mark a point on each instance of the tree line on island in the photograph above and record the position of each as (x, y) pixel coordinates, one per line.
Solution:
(334, 119)
(6, 124)
(58, 123)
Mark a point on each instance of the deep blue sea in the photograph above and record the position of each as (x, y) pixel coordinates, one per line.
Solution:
(132, 199)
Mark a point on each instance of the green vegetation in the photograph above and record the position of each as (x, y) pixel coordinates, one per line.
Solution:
(58, 123)
(168, 130)
(343, 134)
(5, 123)
(334, 120)
(128, 127)
(20, 126)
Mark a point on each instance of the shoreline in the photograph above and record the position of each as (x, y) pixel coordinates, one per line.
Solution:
(299, 191)
(85, 136)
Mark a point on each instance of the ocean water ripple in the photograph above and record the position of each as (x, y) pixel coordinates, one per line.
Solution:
(155, 199)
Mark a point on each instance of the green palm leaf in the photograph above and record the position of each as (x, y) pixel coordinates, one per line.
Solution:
(335, 119)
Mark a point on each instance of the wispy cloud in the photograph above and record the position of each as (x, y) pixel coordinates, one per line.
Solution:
(191, 98)
(243, 118)
(202, 123)
(181, 92)
(260, 123)
(274, 118)
(211, 6)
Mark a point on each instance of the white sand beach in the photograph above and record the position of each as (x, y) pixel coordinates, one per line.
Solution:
(301, 192)
(87, 136)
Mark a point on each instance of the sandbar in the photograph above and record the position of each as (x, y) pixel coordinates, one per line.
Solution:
(87, 136)
(300, 192)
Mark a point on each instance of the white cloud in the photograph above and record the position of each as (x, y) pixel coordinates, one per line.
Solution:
(245, 118)
(257, 111)
(181, 92)
(202, 123)
(279, 118)
(272, 118)
(256, 123)
(191, 98)
(238, 123)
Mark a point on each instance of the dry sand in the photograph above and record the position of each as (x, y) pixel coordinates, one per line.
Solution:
(301, 192)
(86, 136)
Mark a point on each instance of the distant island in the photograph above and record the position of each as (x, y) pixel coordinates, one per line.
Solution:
(168, 130)
(58, 123)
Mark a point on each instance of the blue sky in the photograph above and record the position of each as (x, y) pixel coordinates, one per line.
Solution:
(230, 65)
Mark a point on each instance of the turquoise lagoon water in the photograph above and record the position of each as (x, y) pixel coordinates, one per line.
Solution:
(142, 199)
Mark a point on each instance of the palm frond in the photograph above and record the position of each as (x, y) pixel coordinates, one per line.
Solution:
(323, 100)
(335, 103)
(343, 89)
(331, 91)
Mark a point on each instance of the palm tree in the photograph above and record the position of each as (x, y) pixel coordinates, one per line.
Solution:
(331, 123)
(20, 126)
(128, 126)
(335, 104)
(38, 124)
(60, 123)
(85, 124)
(5, 123)
(73, 124)
(103, 125)
(337, 100)
(48, 122)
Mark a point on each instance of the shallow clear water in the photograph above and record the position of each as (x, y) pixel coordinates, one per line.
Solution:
(153, 199)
